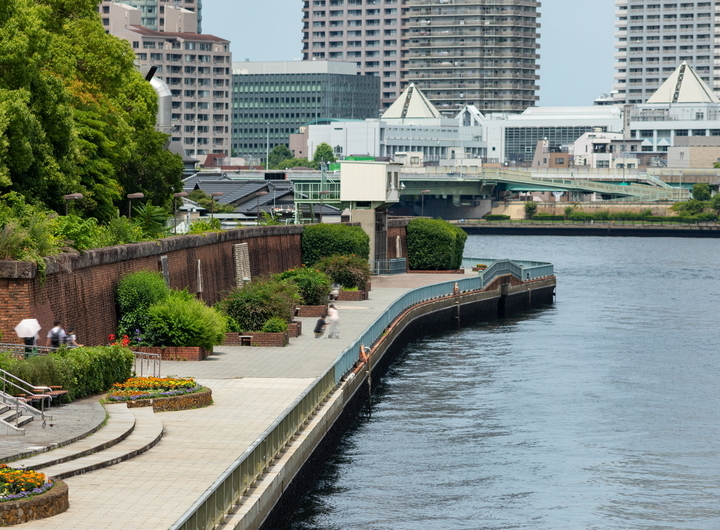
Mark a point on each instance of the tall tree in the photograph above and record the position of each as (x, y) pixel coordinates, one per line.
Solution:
(323, 153)
(278, 154)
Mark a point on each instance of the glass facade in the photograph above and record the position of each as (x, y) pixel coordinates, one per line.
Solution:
(520, 142)
(267, 108)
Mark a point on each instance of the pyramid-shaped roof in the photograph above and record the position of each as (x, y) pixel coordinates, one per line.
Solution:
(683, 86)
(411, 104)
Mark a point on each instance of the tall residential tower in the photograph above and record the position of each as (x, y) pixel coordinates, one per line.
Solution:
(459, 52)
(655, 36)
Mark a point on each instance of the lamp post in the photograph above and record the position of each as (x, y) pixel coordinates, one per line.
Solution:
(71, 197)
(212, 203)
(422, 202)
(267, 147)
(257, 205)
(175, 198)
(130, 197)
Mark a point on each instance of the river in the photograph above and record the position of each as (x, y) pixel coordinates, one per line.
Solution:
(599, 412)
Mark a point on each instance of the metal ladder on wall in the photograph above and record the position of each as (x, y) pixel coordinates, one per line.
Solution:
(17, 411)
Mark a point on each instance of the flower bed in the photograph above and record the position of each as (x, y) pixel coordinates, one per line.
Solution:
(26, 495)
(166, 393)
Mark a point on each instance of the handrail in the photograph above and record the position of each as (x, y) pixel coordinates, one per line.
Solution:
(212, 506)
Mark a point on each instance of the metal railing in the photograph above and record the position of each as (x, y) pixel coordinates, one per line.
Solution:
(227, 490)
(147, 364)
(11, 384)
(22, 351)
(388, 266)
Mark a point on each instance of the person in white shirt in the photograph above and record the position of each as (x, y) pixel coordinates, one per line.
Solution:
(56, 336)
(333, 321)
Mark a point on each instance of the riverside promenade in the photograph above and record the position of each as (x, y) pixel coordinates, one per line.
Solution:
(251, 387)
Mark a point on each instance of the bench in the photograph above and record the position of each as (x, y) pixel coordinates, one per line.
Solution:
(245, 340)
(56, 393)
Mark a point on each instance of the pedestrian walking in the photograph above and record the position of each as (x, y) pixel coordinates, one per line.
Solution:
(71, 339)
(320, 327)
(333, 320)
(56, 336)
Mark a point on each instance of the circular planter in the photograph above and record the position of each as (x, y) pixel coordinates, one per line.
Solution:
(182, 402)
(52, 502)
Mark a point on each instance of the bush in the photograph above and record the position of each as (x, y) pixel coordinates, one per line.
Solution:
(136, 292)
(496, 217)
(313, 285)
(352, 272)
(319, 241)
(434, 244)
(256, 302)
(82, 371)
(530, 208)
(275, 325)
(182, 320)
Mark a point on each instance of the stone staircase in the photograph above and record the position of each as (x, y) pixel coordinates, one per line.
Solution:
(126, 433)
(9, 415)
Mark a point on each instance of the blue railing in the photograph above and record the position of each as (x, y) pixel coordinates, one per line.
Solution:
(211, 507)
(389, 266)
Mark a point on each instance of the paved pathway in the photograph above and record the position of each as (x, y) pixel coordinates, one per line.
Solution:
(251, 388)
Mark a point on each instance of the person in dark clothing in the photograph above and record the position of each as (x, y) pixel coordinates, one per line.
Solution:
(319, 327)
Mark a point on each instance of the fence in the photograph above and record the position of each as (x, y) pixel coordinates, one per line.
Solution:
(209, 509)
(388, 266)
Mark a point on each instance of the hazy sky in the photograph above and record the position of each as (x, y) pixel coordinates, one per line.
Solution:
(576, 44)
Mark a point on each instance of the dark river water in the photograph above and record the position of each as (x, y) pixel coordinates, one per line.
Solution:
(599, 412)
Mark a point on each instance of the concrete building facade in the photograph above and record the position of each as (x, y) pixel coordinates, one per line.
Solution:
(655, 36)
(460, 52)
(158, 15)
(272, 100)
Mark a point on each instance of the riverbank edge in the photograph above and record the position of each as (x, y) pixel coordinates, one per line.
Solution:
(274, 498)
(595, 229)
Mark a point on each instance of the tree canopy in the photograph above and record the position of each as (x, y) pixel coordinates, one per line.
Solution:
(323, 153)
(75, 116)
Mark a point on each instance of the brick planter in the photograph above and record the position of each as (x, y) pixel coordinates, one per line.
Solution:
(177, 353)
(257, 339)
(312, 310)
(478, 269)
(52, 502)
(295, 329)
(352, 296)
(183, 402)
(454, 271)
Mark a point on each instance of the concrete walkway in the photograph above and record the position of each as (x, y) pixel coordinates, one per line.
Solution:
(251, 388)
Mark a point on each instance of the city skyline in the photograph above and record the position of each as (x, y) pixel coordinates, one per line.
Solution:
(576, 58)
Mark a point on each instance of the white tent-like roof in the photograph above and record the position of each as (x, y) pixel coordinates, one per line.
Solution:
(411, 104)
(683, 86)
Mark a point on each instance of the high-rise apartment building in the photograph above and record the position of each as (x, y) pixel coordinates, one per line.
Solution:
(655, 36)
(459, 52)
(158, 15)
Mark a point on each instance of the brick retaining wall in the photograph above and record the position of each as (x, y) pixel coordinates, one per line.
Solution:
(52, 502)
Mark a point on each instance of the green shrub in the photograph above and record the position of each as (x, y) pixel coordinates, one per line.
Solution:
(135, 294)
(313, 285)
(256, 302)
(434, 244)
(82, 371)
(547, 217)
(352, 272)
(496, 217)
(530, 208)
(275, 325)
(182, 320)
(319, 241)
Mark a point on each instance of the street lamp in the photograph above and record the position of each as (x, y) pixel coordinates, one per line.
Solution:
(257, 205)
(130, 197)
(175, 198)
(71, 197)
(212, 203)
(324, 192)
(267, 147)
(422, 202)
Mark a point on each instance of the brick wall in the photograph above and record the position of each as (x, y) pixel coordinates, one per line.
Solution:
(79, 290)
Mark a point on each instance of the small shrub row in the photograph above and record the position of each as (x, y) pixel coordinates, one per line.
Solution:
(496, 217)
(547, 217)
(82, 371)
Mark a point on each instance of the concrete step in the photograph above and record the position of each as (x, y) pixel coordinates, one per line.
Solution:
(119, 425)
(10, 415)
(147, 432)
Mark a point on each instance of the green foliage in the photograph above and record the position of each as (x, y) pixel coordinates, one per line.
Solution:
(201, 227)
(278, 154)
(323, 153)
(715, 202)
(256, 302)
(275, 325)
(313, 285)
(547, 217)
(434, 244)
(82, 371)
(151, 219)
(135, 294)
(701, 192)
(210, 204)
(352, 272)
(321, 240)
(182, 320)
(496, 217)
(295, 162)
(568, 211)
(691, 207)
(267, 220)
(530, 208)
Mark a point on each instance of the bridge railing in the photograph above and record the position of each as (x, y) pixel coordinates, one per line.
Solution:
(212, 506)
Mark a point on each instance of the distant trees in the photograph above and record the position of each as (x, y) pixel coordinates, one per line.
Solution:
(701, 192)
(323, 153)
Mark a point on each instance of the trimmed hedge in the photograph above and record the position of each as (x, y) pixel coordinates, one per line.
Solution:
(82, 371)
(321, 240)
(496, 217)
(434, 244)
